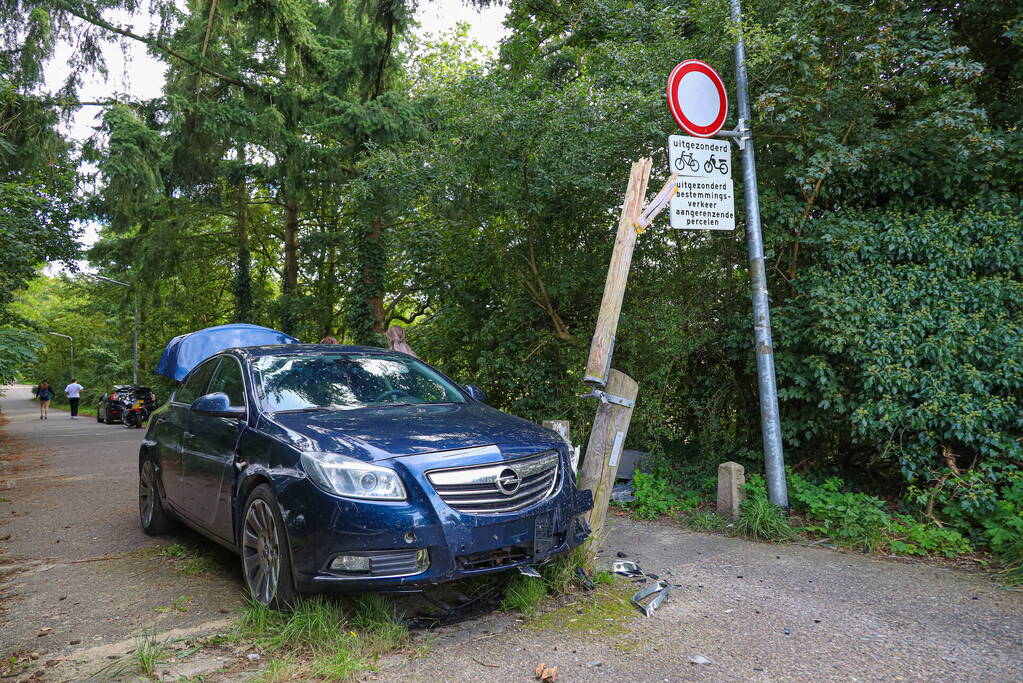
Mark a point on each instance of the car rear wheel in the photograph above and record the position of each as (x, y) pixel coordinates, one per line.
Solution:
(266, 556)
(107, 418)
(152, 514)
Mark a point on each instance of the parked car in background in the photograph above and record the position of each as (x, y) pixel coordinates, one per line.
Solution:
(344, 468)
(113, 403)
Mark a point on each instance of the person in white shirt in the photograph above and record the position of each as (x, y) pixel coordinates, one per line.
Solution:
(73, 391)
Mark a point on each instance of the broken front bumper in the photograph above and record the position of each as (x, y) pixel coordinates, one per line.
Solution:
(407, 545)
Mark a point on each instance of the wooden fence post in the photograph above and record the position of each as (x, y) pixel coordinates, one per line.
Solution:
(602, 346)
(604, 450)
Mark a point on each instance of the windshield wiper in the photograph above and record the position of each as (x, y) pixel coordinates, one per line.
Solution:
(310, 409)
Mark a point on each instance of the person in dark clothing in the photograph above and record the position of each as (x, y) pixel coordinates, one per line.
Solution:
(45, 394)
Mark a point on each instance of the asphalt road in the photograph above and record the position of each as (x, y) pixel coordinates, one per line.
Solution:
(79, 579)
(73, 557)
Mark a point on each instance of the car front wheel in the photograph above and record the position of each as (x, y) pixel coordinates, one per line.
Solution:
(152, 514)
(266, 556)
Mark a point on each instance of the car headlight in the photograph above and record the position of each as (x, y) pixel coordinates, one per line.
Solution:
(352, 478)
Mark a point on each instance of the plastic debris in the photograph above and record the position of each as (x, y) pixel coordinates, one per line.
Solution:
(626, 568)
(253, 656)
(584, 580)
(623, 493)
(700, 659)
(530, 571)
(659, 591)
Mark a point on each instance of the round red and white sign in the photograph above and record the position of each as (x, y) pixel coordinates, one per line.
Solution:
(697, 98)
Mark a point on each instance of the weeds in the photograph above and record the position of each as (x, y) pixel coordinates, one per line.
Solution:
(656, 496)
(342, 640)
(277, 671)
(762, 521)
(524, 594)
(704, 520)
(148, 654)
(188, 561)
(180, 604)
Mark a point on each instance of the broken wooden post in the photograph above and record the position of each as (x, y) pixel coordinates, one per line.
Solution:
(604, 450)
(564, 428)
(602, 346)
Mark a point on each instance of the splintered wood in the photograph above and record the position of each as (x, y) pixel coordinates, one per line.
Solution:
(602, 346)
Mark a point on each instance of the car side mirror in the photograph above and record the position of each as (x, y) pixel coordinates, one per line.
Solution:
(476, 393)
(216, 405)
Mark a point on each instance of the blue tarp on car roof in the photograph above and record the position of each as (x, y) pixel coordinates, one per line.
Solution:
(188, 350)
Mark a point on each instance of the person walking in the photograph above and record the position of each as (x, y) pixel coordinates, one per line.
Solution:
(45, 394)
(73, 391)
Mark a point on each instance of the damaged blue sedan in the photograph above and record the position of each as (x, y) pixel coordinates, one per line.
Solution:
(344, 468)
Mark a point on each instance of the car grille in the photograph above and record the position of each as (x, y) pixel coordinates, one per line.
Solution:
(498, 487)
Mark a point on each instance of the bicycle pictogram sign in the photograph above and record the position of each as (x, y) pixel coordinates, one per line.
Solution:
(699, 157)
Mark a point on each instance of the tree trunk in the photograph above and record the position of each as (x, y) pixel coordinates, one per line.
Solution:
(243, 271)
(290, 289)
(373, 275)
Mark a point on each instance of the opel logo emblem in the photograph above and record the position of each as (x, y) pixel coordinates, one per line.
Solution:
(508, 481)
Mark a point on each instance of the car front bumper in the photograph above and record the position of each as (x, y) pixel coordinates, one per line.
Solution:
(322, 526)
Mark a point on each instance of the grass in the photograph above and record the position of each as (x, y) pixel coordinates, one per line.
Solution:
(704, 520)
(340, 639)
(762, 521)
(187, 560)
(524, 594)
(277, 671)
(144, 658)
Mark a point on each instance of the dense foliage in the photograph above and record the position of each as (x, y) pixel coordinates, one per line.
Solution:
(317, 167)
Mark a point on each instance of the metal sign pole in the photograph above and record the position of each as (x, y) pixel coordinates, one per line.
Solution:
(774, 457)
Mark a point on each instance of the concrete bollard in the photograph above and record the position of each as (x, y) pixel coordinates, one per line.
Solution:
(731, 489)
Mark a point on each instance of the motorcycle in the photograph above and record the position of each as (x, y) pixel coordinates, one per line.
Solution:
(135, 415)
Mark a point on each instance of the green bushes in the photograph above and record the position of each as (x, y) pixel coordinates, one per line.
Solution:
(858, 519)
(657, 496)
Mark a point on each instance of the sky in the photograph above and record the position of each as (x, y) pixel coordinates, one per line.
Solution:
(133, 72)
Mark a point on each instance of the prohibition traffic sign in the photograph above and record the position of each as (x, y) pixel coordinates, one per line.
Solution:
(696, 98)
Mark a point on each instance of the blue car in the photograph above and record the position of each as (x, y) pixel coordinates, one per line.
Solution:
(343, 468)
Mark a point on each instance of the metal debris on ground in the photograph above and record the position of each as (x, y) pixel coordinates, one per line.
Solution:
(626, 568)
(546, 674)
(530, 571)
(584, 580)
(659, 591)
(700, 659)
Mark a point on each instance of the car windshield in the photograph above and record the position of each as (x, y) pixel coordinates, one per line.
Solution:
(343, 381)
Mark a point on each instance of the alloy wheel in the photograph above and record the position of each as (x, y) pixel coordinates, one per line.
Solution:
(261, 557)
(147, 493)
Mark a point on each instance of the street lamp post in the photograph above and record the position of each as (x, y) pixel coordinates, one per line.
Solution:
(135, 335)
(70, 339)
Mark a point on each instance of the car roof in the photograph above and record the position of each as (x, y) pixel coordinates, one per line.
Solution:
(306, 350)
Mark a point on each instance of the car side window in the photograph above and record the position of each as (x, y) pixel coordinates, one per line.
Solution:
(195, 384)
(228, 379)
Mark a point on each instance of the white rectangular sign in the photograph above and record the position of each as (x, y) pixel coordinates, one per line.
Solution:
(703, 204)
(699, 157)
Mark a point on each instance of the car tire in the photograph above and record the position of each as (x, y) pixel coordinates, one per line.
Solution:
(265, 551)
(98, 418)
(106, 418)
(154, 517)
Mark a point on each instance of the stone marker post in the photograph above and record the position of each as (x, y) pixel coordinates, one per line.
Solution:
(731, 489)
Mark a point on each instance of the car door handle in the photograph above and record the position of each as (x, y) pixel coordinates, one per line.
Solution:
(160, 420)
(189, 435)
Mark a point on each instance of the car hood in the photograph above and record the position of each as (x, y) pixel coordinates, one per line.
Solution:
(389, 432)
